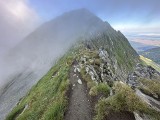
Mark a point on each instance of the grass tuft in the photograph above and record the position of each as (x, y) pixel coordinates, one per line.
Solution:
(124, 100)
(150, 87)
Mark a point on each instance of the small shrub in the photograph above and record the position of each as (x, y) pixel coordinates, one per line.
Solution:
(93, 91)
(103, 88)
(101, 109)
(150, 86)
(91, 84)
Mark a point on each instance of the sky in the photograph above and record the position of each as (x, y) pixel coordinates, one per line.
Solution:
(18, 18)
(133, 15)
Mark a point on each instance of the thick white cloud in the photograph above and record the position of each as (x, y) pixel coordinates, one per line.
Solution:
(17, 19)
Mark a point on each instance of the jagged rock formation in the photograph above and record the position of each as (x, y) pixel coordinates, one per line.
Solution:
(141, 71)
(111, 60)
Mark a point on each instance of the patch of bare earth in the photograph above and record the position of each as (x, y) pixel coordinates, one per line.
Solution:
(79, 104)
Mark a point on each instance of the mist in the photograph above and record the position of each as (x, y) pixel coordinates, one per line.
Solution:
(17, 21)
(36, 53)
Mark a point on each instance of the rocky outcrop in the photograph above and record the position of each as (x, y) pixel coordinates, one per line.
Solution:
(142, 71)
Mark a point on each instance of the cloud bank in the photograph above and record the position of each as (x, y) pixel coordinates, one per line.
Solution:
(17, 20)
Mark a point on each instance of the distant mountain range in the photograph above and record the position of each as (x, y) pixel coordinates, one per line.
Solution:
(153, 54)
(140, 46)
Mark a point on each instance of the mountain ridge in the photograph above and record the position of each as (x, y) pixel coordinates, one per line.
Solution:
(39, 51)
(100, 57)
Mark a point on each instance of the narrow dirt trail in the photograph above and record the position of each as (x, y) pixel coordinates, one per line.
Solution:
(79, 104)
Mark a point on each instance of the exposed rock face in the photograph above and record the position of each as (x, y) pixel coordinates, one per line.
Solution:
(146, 71)
(141, 71)
(103, 54)
(102, 61)
(91, 71)
(106, 71)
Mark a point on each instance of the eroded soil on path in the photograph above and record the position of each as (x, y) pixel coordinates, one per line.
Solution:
(79, 104)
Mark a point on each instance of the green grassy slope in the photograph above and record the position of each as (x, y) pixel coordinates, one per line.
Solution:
(153, 54)
(47, 99)
(150, 63)
(124, 99)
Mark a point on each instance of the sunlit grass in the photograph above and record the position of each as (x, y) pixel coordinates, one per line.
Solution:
(150, 63)
(150, 87)
(124, 100)
(46, 100)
